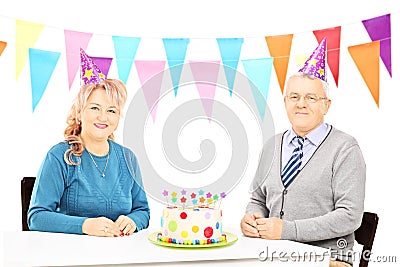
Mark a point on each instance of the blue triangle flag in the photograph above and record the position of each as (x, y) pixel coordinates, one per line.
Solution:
(42, 64)
(230, 52)
(125, 52)
(258, 72)
(175, 48)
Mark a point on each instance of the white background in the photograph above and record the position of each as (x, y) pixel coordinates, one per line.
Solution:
(26, 136)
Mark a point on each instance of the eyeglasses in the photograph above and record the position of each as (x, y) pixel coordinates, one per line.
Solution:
(309, 98)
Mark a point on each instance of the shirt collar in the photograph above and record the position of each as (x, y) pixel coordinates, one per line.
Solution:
(315, 137)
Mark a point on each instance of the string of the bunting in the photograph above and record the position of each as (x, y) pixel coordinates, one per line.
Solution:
(191, 37)
(230, 50)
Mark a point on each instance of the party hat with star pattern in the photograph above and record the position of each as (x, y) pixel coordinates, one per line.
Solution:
(315, 64)
(90, 72)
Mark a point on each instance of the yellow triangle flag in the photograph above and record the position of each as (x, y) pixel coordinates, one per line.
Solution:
(366, 57)
(279, 48)
(301, 59)
(27, 34)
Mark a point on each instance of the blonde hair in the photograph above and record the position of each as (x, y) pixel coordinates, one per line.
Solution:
(115, 90)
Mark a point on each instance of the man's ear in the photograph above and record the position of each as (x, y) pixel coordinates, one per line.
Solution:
(327, 105)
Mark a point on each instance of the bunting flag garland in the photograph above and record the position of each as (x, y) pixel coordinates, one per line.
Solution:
(333, 48)
(73, 42)
(175, 49)
(151, 75)
(205, 74)
(42, 64)
(279, 48)
(2, 47)
(27, 34)
(125, 52)
(230, 49)
(259, 73)
(103, 63)
(379, 30)
(366, 58)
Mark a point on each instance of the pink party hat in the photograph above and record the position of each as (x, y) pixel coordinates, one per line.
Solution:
(90, 72)
(315, 64)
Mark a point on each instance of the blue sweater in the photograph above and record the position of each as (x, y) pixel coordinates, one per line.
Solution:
(64, 195)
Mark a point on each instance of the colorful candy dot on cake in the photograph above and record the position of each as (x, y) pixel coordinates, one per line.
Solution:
(170, 240)
(197, 242)
(166, 214)
(184, 234)
(208, 232)
(208, 241)
(174, 240)
(212, 240)
(195, 229)
(183, 215)
(172, 226)
(193, 242)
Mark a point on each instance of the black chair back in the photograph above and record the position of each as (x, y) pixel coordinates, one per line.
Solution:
(26, 193)
(365, 236)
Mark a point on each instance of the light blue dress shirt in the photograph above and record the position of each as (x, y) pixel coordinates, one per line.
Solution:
(311, 143)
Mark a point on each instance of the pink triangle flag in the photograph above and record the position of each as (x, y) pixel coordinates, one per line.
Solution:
(73, 42)
(205, 74)
(150, 74)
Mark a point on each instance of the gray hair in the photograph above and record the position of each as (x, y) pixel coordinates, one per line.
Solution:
(325, 84)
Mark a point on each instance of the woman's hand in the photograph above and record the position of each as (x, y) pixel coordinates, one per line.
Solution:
(126, 225)
(100, 226)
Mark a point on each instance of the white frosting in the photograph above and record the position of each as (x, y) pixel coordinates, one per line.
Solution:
(191, 223)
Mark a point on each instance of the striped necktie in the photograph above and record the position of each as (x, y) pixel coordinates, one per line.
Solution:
(291, 168)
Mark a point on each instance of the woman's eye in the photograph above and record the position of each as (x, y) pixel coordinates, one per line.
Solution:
(112, 111)
(94, 108)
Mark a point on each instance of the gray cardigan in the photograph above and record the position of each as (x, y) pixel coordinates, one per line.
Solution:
(324, 203)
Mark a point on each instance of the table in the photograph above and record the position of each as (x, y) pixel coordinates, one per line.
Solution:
(32, 248)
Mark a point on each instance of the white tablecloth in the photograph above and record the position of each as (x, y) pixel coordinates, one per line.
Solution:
(52, 249)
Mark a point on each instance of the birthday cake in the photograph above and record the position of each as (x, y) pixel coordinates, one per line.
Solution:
(196, 221)
(191, 226)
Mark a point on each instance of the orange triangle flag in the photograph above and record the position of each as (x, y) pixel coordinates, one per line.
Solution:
(366, 57)
(2, 47)
(333, 48)
(279, 48)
